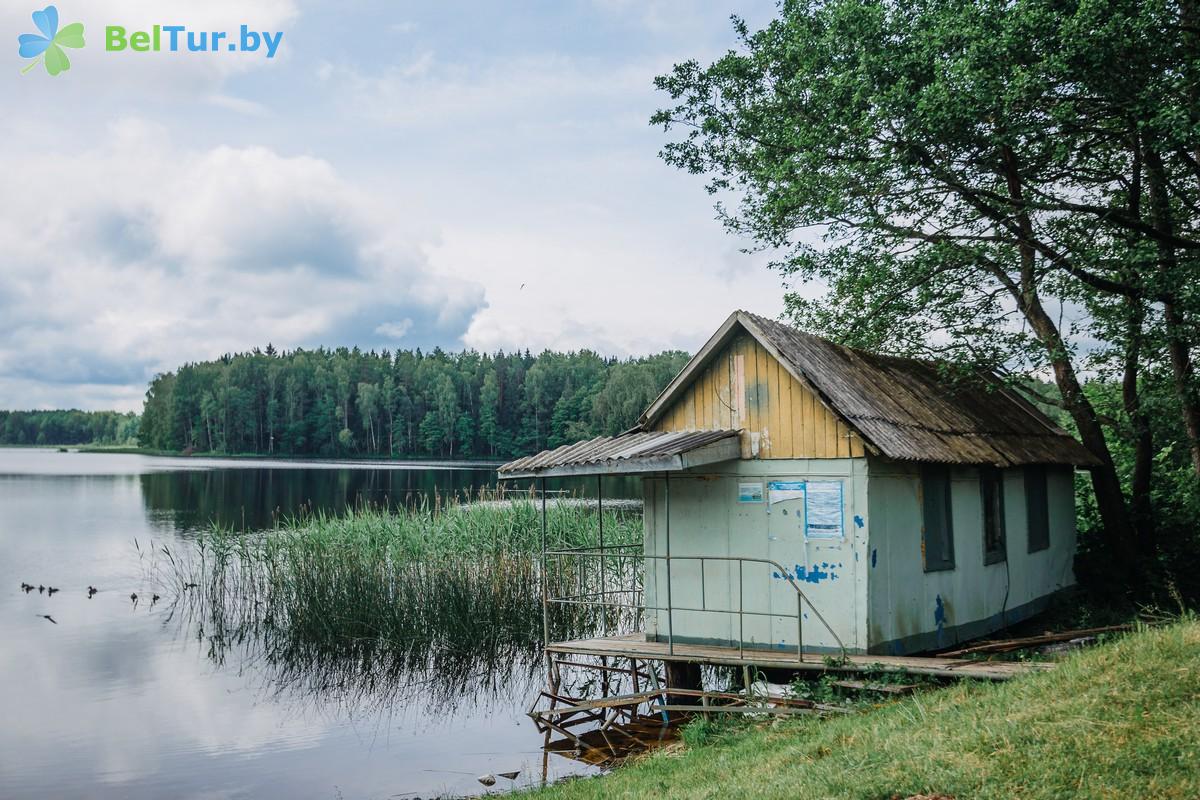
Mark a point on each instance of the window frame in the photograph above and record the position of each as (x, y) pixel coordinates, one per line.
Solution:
(1037, 517)
(991, 497)
(929, 474)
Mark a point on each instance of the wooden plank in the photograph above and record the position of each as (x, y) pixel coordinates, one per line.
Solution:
(753, 409)
(810, 422)
(885, 688)
(1004, 645)
(724, 415)
(783, 437)
(777, 710)
(630, 646)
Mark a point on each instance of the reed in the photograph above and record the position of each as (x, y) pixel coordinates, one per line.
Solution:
(443, 597)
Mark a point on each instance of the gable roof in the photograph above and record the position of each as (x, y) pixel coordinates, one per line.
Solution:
(901, 407)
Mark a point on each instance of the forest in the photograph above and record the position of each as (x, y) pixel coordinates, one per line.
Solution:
(62, 427)
(347, 402)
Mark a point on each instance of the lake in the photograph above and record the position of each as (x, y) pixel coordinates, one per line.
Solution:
(121, 699)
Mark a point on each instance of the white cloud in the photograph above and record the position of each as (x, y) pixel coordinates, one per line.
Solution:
(395, 330)
(137, 255)
(545, 89)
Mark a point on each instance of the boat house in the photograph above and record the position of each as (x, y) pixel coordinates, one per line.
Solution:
(802, 496)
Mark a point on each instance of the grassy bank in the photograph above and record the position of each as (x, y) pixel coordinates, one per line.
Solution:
(1119, 721)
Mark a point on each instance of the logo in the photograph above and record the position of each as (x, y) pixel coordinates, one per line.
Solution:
(47, 47)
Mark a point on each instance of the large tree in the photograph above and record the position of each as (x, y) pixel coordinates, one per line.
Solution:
(1000, 183)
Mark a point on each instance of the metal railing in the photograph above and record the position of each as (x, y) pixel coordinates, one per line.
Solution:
(633, 597)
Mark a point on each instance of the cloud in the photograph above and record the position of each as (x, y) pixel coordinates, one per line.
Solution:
(422, 91)
(138, 254)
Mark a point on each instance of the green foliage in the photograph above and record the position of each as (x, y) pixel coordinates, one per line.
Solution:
(437, 404)
(713, 728)
(68, 427)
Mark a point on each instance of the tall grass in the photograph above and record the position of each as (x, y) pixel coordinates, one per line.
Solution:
(443, 597)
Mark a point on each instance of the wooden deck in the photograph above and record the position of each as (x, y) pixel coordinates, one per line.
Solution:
(634, 645)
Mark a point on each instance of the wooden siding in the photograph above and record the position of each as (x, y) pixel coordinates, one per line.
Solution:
(746, 387)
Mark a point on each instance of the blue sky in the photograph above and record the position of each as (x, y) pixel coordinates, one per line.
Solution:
(401, 174)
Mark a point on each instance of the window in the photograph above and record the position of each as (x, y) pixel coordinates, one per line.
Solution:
(991, 486)
(937, 532)
(1037, 507)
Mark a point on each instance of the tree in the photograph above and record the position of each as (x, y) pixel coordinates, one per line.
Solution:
(489, 412)
(964, 177)
(368, 409)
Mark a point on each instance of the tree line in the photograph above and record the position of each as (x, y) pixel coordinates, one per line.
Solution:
(63, 427)
(1012, 185)
(436, 404)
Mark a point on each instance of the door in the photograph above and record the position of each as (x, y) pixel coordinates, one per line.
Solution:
(806, 533)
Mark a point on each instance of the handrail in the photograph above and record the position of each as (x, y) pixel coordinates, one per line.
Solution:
(781, 571)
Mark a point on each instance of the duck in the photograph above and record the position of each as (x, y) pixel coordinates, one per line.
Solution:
(26, 587)
(91, 591)
(154, 599)
(51, 590)
(41, 589)
(133, 597)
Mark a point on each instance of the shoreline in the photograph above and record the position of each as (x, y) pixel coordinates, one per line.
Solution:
(140, 451)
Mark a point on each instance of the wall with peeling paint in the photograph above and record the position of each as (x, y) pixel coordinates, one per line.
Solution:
(708, 519)
(869, 584)
(912, 610)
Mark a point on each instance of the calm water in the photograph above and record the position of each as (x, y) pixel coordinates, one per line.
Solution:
(121, 700)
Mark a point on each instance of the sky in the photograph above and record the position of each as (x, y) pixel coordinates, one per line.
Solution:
(399, 175)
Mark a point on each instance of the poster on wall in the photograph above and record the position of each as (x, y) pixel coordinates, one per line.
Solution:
(750, 492)
(782, 491)
(823, 510)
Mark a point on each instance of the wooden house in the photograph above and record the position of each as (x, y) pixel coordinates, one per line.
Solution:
(803, 495)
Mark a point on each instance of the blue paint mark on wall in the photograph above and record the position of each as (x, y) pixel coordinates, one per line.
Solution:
(814, 574)
(858, 521)
(874, 556)
(939, 618)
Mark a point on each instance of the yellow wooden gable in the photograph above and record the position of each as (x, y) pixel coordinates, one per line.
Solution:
(744, 387)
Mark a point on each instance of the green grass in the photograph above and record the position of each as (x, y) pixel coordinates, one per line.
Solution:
(372, 603)
(1119, 721)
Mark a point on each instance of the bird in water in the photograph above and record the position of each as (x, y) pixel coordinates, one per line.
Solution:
(26, 587)
(154, 599)
(51, 590)
(47, 616)
(133, 598)
(41, 589)
(91, 591)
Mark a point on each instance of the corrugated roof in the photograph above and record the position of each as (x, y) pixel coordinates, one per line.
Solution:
(628, 451)
(907, 410)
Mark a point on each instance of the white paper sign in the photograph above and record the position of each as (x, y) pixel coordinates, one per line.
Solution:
(823, 510)
(785, 490)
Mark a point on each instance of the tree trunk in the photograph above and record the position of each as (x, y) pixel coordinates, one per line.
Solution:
(1143, 441)
(1178, 346)
(1185, 380)
(1110, 501)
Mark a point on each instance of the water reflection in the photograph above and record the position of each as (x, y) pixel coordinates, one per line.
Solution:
(253, 499)
(186, 699)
